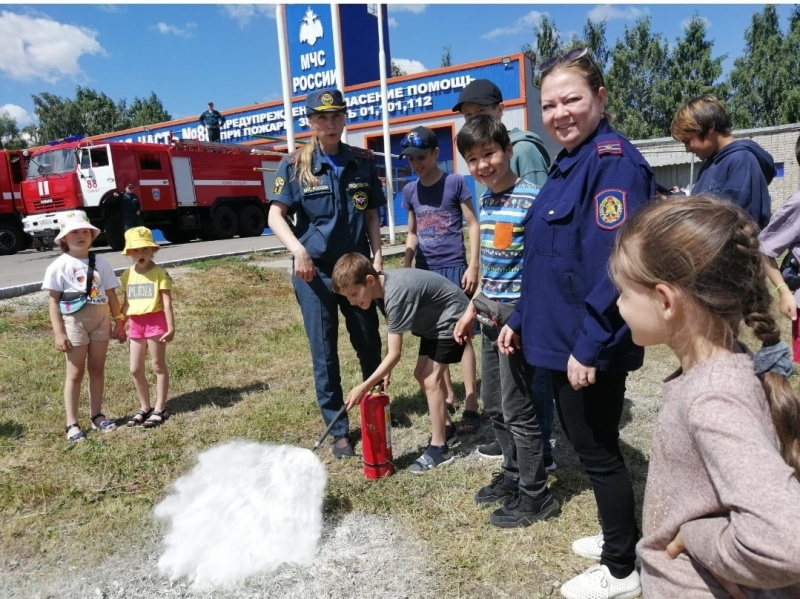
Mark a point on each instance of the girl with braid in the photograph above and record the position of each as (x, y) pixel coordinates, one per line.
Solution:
(721, 511)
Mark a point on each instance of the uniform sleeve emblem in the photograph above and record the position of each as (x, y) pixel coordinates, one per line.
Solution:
(612, 208)
(609, 147)
(360, 200)
(277, 188)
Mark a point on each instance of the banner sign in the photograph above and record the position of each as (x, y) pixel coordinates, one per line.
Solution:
(414, 97)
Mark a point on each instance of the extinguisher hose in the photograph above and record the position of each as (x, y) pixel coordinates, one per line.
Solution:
(330, 426)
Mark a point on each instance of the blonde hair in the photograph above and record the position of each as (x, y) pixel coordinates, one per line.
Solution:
(350, 270)
(708, 249)
(699, 116)
(305, 158)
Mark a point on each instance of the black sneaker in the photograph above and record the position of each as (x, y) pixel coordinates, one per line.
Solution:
(502, 486)
(524, 510)
(341, 447)
(491, 451)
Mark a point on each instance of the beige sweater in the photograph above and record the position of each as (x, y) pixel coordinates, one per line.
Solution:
(717, 477)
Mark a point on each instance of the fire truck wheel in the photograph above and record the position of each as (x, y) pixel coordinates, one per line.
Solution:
(177, 235)
(114, 233)
(224, 223)
(252, 221)
(12, 239)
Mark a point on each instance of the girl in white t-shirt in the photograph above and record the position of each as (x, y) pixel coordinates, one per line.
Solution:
(148, 305)
(83, 336)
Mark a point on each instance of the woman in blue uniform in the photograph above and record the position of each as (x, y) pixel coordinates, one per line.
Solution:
(567, 319)
(334, 194)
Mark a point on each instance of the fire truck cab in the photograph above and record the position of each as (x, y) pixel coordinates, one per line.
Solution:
(186, 189)
(12, 172)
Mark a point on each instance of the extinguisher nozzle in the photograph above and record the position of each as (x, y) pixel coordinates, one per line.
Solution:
(330, 426)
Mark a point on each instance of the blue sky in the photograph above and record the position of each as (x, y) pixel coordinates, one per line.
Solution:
(189, 54)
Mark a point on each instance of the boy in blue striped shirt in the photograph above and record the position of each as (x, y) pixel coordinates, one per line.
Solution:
(522, 483)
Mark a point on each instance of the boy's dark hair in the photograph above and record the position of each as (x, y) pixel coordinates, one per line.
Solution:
(350, 270)
(700, 115)
(482, 129)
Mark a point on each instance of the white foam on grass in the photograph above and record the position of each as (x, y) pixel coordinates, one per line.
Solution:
(245, 508)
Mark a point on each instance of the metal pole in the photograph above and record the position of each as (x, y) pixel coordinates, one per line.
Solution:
(337, 56)
(387, 142)
(280, 18)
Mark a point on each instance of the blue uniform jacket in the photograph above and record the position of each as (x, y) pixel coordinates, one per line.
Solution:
(331, 214)
(568, 303)
(212, 118)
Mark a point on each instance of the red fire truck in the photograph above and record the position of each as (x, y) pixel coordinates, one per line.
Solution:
(187, 189)
(12, 172)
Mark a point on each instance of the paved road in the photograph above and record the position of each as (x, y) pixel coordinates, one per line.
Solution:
(23, 272)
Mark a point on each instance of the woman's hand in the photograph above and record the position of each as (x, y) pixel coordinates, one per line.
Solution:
(303, 265)
(508, 341)
(676, 546)
(63, 344)
(579, 375)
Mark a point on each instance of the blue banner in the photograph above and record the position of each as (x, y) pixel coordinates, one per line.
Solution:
(309, 33)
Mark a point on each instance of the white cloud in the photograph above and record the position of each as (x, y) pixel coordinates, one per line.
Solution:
(521, 25)
(608, 12)
(411, 67)
(166, 29)
(37, 47)
(244, 13)
(392, 22)
(412, 8)
(18, 113)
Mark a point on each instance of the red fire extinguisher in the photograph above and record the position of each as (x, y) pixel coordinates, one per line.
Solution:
(376, 435)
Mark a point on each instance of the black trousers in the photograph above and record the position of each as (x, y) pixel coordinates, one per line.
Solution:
(590, 418)
(213, 134)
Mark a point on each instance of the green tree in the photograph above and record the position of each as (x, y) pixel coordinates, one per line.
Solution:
(548, 44)
(791, 104)
(396, 70)
(10, 136)
(147, 111)
(447, 55)
(594, 38)
(637, 81)
(692, 70)
(760, 81)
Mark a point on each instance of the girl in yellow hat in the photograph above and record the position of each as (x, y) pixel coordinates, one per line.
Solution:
(148, 307)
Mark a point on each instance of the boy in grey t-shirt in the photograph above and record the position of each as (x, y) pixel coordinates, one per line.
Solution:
(414, 301)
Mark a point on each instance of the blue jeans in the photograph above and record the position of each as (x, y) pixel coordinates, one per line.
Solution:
(320, 309)
(544, 399)
(504, 390)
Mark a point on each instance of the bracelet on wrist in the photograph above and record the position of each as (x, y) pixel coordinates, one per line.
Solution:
(778, 287)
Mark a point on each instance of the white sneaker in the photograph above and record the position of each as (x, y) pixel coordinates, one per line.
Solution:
(591, 547)
(598, 583)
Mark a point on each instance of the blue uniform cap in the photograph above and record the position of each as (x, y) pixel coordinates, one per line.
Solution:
(325, 100)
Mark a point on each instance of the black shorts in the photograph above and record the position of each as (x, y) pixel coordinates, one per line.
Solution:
(443, 351)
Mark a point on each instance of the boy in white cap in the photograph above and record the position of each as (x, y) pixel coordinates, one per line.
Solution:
(82, 306)
(148, 306)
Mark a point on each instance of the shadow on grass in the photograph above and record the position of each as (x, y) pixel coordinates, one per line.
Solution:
(10, 429)
(223, 397)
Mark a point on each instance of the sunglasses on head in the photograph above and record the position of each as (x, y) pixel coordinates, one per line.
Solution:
(570, 56)
(412, 140)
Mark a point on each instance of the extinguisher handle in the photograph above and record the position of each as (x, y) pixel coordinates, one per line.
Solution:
(330, 426)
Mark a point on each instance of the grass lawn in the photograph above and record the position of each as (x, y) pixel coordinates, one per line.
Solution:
(240, 369)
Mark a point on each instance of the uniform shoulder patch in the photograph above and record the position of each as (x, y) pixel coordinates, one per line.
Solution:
(611, 146)
(362, 153)
(611, 208)
(277, 188)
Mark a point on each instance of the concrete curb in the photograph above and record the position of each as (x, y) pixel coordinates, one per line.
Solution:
(18, 290)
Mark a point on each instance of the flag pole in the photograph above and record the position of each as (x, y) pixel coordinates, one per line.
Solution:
(288, 118)
(387, 142)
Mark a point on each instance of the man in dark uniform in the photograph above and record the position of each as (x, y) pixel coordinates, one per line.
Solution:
(131, 208)
(213, 121)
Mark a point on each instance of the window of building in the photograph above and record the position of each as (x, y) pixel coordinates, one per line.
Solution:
(779, 168)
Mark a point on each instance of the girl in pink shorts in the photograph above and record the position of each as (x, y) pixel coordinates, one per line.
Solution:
(148, 307)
